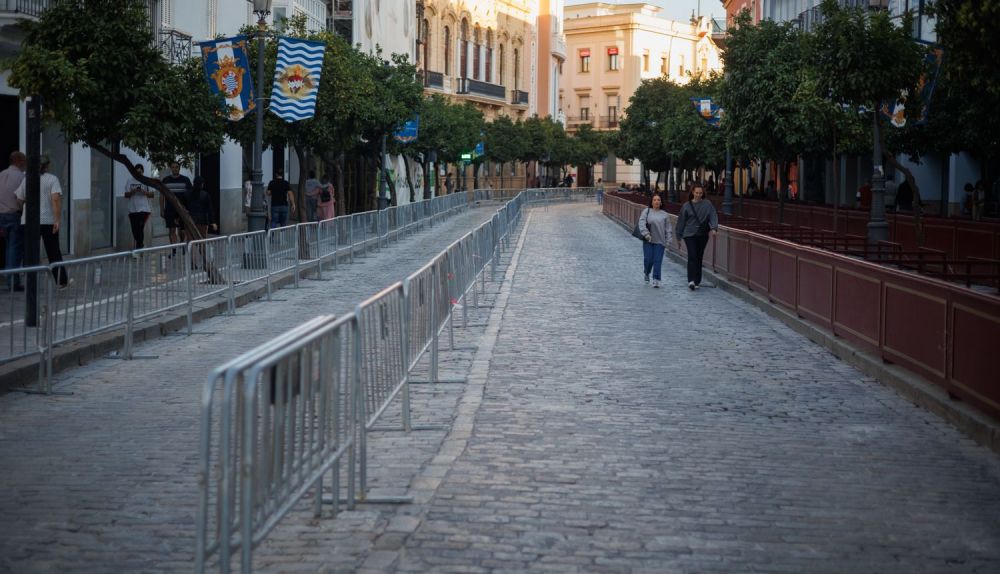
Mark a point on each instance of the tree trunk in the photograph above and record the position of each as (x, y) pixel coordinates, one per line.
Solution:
(409, 179)
(918, 211)
(300, 187)
(427, 177)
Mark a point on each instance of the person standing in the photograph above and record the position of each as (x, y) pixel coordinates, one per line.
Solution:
(199, 206)
(312, 196)
(696, 221)
(179, 185)
(282, 199)
(327, 200)
(656, 224)
(10, 216)
(139, 209)
(50, 214)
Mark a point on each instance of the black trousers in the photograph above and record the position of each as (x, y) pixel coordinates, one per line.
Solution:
(50, 241)
(696, 251)
(138, 221)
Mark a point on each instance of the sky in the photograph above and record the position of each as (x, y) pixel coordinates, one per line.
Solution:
(680, 9)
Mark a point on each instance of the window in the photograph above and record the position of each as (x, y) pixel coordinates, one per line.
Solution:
(680, 69)
(645, 60)
(476, 49)
(447, 51)
(584, 107)
(584, 61)
(425, 41)
(517, 68)
(663, 65)
(613, 63)
(501, 79)
(464, 66)
(489, 55)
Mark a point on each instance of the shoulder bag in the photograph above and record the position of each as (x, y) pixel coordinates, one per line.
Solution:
(639, 233)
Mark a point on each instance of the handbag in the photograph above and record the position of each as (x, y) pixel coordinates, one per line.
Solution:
(703, 227)
(324, 195)
(639, 233)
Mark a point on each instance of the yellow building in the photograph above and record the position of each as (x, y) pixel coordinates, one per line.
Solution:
(503, 55)
(611, 49)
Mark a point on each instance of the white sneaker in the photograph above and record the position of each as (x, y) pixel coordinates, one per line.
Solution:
(696, 287)
(656, 284)
(692, 286)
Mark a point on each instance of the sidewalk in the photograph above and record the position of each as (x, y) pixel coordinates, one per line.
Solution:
(605, 427)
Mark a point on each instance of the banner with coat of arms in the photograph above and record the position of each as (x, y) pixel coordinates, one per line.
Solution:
(228, 73)
(296, 78)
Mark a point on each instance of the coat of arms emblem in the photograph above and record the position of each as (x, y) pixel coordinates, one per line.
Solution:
(229, 77)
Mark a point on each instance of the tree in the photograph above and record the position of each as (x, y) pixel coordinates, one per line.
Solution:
(501, 138)
(765, 66)
(862, 59)
(105, 84)
(590, 146)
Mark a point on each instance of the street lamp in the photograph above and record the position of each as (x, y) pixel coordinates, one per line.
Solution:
(258, 217)
(878, 227)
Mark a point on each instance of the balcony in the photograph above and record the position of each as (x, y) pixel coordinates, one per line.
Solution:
(518, 98)
(176, 46)
(559, 46)
(610, 122)
(477, 88)
(433, 80)
(579, 120)
(23, 8)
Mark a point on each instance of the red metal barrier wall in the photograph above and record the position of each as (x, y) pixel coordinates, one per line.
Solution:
(945, 333)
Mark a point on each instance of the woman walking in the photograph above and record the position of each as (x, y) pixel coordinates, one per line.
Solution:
(656, 224)
(327, 200)
(696, 221)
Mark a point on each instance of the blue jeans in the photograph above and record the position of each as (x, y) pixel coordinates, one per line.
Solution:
(279, 216)
(652, 258)
(11, 225)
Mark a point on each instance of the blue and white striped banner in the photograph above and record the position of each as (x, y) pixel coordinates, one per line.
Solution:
(296, 78)
(227, 72)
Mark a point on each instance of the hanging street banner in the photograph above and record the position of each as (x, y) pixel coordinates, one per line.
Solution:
(895, 112)
(408, 133)
(228, 73)
(708, 111)
(296, 78)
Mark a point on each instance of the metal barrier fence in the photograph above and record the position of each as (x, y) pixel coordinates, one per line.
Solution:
(23, 315)
(116, 291)
(262, 412)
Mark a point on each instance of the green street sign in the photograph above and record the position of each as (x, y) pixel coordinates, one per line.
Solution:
(466, 157)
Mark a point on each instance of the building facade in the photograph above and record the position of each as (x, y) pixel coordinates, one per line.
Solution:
(611, 49)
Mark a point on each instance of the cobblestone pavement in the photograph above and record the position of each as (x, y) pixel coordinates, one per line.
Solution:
(605, 427)
(631, 429)
(103, 480)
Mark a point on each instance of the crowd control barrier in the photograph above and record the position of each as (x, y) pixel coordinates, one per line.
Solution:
(278, 418)
(119, 290)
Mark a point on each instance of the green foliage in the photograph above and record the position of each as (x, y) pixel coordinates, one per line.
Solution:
(102, 81)
(502, 138)
(589, 146)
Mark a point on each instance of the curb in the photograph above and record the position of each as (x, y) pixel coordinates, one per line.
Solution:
(911, 386)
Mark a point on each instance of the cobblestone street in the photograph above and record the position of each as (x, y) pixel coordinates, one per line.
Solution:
(605, 426)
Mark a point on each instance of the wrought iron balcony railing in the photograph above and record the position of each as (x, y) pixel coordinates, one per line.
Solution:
(609, 122)
(477, 88)
(176, 46)
(519, 97)
(579, 120)
(433, 79)
(25, 7)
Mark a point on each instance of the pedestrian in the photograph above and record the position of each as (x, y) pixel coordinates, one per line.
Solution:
(752, 190)
(656, 224)
(312, 195)
(770, 192)
(139, 209)
(282, 199)
(696, 221)
(600, 191)
(449, 185)
(179, 185)
(327, 206)
(10, 217)
(50, 214)
(200, 207)
(904, 196)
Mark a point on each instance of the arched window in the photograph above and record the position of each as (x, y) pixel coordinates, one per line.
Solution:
(476, 49)
(489, 56)
(500, 78)
(447, 51)
(464, 66)
(517, 68)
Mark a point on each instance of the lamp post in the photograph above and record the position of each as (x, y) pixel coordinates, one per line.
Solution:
(258, 217)
(878, 228)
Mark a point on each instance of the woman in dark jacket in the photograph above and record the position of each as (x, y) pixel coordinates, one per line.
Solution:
(695, 222)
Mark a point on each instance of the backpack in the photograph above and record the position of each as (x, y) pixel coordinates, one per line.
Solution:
(324, 195)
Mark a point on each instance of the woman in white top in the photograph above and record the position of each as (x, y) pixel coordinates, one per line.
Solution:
(139, 208)
(50, 214)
